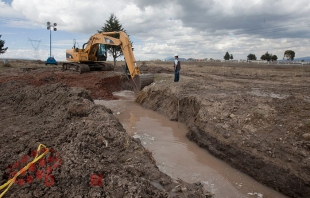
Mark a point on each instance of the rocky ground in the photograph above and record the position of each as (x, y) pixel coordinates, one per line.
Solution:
(90, 153)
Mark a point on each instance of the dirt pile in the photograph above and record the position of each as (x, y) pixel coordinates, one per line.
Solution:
(100, 83)
(258, 126)
(255, 117)
(91, 156)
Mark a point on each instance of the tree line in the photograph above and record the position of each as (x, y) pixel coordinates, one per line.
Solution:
(288, 54)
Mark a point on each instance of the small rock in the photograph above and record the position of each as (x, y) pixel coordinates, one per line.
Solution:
(176, 189)
(303, 153)
(231, 115)
(306, 136)
(227, 135)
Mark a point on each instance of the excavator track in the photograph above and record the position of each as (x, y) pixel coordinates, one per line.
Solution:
(86, 67)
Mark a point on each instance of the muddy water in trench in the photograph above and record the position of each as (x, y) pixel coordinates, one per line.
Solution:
(180, 158)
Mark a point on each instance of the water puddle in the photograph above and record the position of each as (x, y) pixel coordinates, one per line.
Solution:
(180, 158)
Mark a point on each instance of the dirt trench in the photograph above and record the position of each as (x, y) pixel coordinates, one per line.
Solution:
(257, 119)
(257, 128)
(91, 154)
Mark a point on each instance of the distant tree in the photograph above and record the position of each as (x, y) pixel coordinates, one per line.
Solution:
(289, 54)
(266, 56)
(111, 25)
(231, 57)
(227, 56)
(251, 57)
(2, 49)
(274, 58)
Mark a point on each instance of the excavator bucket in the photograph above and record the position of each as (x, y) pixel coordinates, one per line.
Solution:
(142, 80)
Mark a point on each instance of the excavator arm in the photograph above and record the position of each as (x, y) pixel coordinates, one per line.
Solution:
(123, 42)
(89, 54)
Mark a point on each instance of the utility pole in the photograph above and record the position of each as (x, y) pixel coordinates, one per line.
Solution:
(51, 60)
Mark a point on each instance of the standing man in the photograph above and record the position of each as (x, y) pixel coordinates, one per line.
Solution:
(177, 68)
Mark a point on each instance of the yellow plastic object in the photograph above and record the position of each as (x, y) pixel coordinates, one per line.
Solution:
(9, 183)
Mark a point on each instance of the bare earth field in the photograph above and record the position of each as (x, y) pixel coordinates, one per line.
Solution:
(255, 117)
(91, 154)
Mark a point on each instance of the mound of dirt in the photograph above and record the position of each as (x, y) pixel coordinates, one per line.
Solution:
(263, 132)
(100, 83)
(91, 155)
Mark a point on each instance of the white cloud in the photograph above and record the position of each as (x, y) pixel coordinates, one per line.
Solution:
(7, 11)
(197, 28)
(72, 15)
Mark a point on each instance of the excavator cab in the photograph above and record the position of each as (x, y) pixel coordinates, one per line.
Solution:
(102, 52)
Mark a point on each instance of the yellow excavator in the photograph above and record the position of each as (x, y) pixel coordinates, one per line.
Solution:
(93, 55)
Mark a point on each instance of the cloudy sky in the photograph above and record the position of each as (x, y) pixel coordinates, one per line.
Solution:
(159, 29)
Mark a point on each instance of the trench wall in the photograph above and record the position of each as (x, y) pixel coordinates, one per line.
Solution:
(188, 109)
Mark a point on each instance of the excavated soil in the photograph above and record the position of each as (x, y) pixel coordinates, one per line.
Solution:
(90, 155)
(255, 117)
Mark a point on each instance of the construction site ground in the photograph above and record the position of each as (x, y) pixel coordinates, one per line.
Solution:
(254, 117)
(91, 154)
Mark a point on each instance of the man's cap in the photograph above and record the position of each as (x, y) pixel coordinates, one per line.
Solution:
(176, 55)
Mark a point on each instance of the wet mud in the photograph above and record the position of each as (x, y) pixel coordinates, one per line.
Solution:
(91, 154)
(256, 119)
(179, 157)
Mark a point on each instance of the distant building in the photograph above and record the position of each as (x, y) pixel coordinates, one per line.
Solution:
(259, 61)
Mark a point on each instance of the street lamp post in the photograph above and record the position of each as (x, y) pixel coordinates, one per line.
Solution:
(51, 60)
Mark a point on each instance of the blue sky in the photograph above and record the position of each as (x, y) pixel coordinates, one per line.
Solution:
(159, 29)
(19, 44)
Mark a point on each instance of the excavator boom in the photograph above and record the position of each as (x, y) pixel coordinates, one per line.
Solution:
(94, 53)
